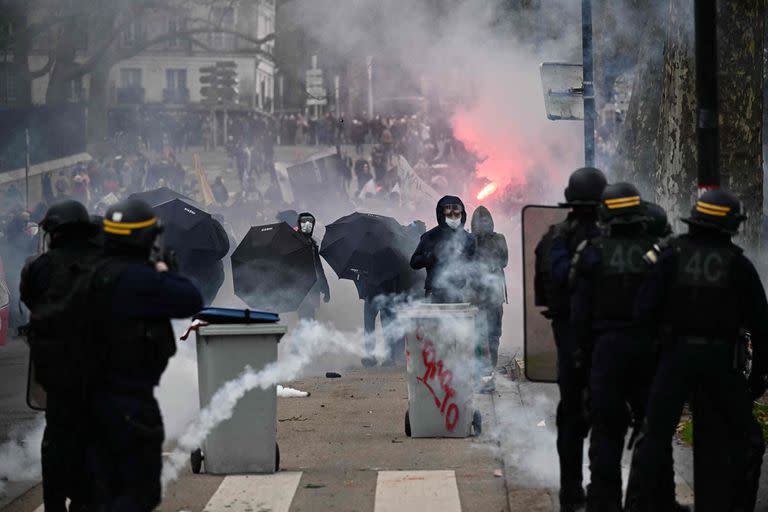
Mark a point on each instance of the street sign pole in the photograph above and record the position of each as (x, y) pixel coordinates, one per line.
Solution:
(707, 132)
(589, 89)
(369, 65)
(26, 166)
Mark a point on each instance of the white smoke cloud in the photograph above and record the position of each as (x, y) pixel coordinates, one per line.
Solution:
(20, 455)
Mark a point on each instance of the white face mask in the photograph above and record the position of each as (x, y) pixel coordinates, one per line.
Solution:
(453, 223)
(306, 227)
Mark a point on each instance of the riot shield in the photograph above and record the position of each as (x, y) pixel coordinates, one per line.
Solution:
(36, 396)
(539, 348)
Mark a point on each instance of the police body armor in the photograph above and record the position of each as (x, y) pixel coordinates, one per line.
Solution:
(132, 353)
(548, 293)
(621, 274)
(701, 302)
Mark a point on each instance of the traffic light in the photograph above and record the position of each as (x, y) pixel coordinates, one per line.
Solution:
(220, 83)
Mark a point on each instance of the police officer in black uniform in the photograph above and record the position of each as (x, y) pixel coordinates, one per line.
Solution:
(607, 274)
(703, 291)
(131, 341)
(45, 281)
(306, 226)
(553, 262)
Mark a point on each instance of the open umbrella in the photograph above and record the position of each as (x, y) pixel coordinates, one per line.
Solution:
(159, 196)
(367, 247)
(199, 241)
(273, 268)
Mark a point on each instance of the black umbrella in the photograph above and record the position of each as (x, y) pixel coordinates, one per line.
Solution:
(199, 242)
(273, 268)
(159, 196)
(366, 247)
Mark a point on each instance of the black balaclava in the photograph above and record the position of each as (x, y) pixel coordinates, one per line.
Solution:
(306, 216)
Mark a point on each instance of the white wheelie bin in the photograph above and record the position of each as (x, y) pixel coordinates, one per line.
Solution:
(246, 442)
(440, 341)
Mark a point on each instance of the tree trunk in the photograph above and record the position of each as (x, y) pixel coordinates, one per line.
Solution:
(674, 175)
(98, 104)
(741, 27)
(636, 151)
(61, 76)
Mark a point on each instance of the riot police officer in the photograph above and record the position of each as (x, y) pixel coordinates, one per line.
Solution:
(130, 345)
(702, 291)
(553, 262)
(46, 281)
(607, 274)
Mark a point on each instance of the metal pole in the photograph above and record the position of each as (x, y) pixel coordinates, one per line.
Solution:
(336, 87)
(589, 89)
(26, 166)
(707, 132)
(369, 64)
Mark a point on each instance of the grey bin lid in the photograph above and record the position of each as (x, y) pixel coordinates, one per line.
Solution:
(241, 329)
(423, 310)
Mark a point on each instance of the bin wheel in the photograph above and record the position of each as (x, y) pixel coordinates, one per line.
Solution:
(407, 424)
(477, 423)
(277, 457)
(196, 459)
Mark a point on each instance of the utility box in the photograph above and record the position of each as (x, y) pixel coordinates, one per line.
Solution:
(440, 344)
(246, 442)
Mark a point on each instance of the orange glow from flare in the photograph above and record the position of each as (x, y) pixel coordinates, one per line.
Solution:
(487, 190)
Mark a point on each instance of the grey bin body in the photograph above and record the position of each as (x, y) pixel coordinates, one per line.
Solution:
(440, 344)
(245, 443)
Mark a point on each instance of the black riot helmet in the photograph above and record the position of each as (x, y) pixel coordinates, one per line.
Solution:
(67, 212)
(131, 226)
(656, 222)
(719, 210)
(585, 187)
(621, 204)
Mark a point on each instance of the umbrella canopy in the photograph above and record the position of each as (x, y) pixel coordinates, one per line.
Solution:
(366, 247)
(159, 196)
(199, 242)
(273, 268)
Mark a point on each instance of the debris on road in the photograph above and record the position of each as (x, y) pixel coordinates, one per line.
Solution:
(332, 375)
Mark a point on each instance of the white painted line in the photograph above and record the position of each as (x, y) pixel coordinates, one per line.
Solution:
(417, 491)
(255, 493)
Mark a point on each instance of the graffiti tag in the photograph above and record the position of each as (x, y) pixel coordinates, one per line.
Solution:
(437, 376)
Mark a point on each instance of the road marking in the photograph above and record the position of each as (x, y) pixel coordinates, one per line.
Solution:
(255, 493)
(417, 491)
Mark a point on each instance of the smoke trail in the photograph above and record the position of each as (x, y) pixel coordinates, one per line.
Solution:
(20, 455)
(309, 340)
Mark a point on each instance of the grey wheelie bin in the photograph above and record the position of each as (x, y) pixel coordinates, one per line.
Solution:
(440, 341)
(246, 442)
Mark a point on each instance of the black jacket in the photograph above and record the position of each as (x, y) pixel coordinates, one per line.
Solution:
(491, 256)
(446, 253)
(321, 285)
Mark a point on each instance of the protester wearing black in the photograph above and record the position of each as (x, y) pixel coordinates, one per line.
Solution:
(491, 258)
(379, 301)
(308, 307)
(553, 263)
(607, 274)
(131, 301)
(704, 293)
(220, 192)
(446, 252)
(45, 281)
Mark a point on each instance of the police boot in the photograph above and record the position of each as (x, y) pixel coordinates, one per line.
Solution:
(573, 502)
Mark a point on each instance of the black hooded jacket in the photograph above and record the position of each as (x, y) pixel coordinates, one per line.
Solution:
(321, 285)
(492, 256)
(446, 254)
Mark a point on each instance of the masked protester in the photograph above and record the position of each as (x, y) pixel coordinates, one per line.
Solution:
(130, 344)
(703, 293)
(47, 280)
(606, 276)
(446, 251)
(308, 307)
(553, 265)
(491, 258)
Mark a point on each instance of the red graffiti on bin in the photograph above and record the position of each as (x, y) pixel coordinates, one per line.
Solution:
(436, 375)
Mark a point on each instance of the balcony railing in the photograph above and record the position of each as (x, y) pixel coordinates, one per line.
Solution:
(130, 95)
(179, 95)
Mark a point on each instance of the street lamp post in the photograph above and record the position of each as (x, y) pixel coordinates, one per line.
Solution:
(589, 88)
